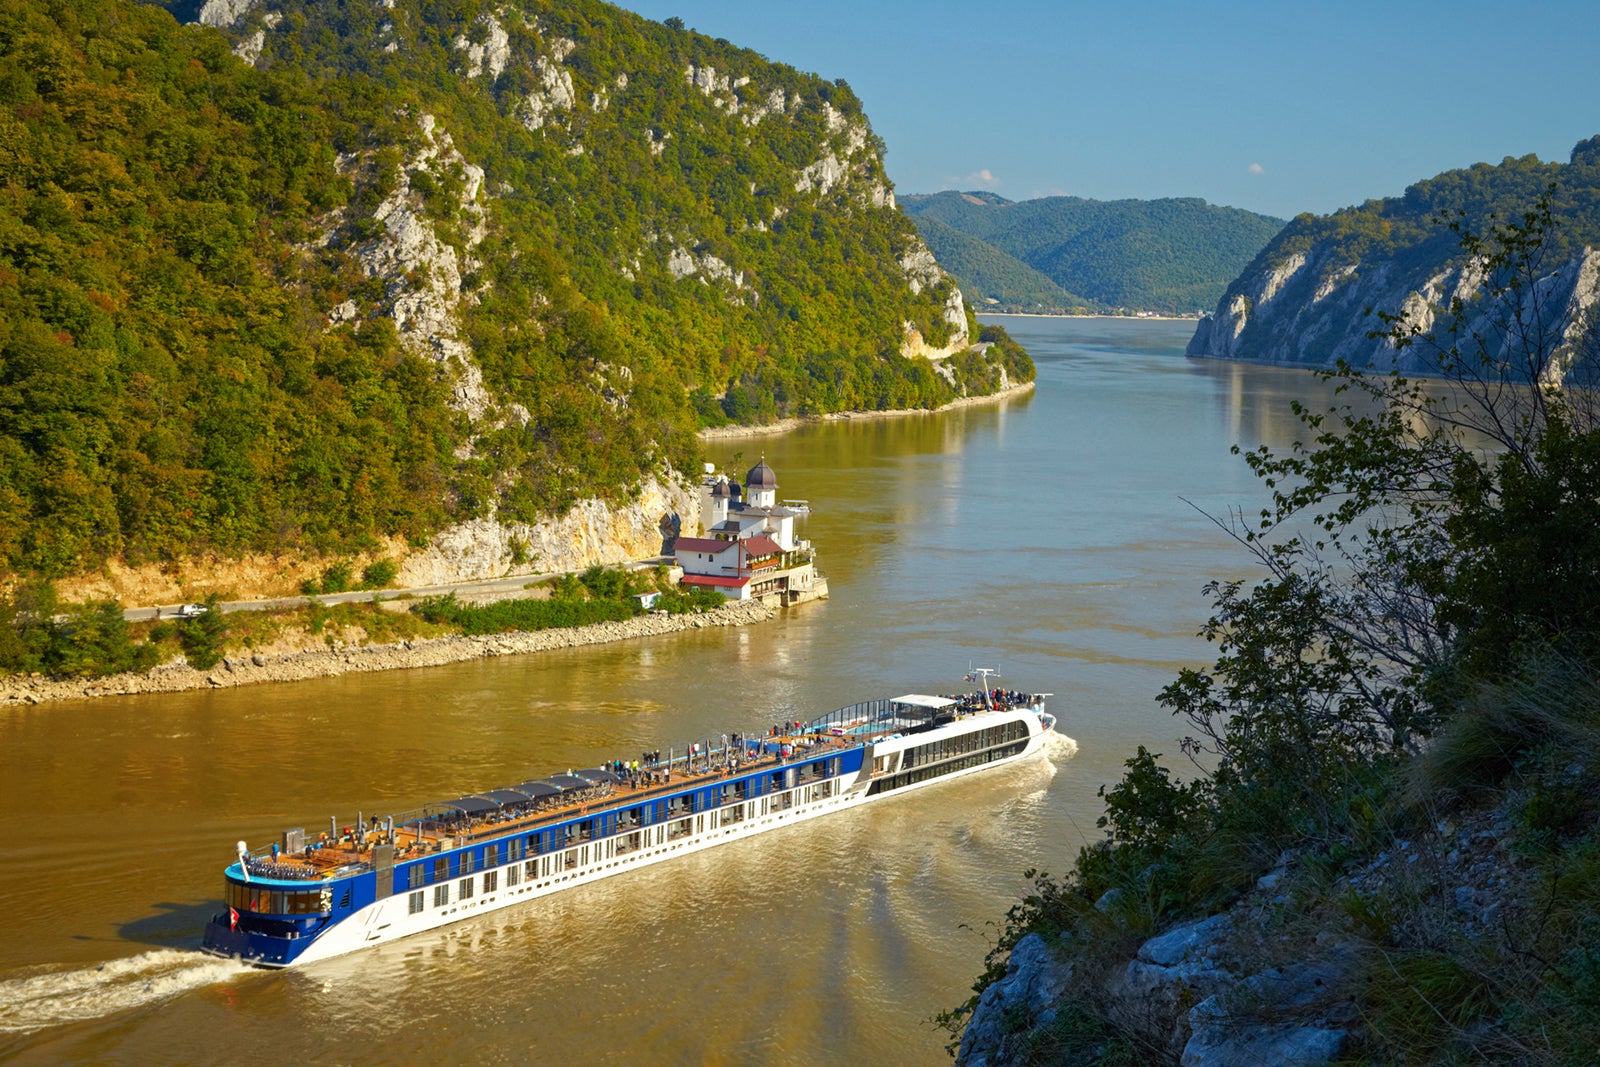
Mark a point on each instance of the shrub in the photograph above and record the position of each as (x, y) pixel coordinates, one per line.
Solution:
(379, 574)
(336, 579)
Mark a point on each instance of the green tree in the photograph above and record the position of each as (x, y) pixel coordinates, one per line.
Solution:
(203, 635)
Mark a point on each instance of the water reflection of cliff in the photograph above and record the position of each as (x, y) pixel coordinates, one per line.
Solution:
(882, 478)
(1256, 401)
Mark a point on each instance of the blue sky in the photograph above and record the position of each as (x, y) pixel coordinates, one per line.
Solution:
(1276, 107)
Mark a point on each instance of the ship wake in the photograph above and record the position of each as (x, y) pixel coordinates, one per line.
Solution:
(1059, 747)
(56, 997)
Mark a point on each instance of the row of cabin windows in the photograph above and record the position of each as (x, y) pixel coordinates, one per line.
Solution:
(923, 774)
(626, 821)
(962, 744)
(574, 858)
(279, 902)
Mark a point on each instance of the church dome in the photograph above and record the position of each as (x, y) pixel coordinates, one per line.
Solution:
(761, 477)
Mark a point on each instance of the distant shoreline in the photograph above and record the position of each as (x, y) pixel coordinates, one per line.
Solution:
(716, 433)
(1124, 318)
(245, 668)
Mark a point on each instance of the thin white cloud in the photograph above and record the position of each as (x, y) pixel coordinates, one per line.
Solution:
(981, 177)
(1256, 168)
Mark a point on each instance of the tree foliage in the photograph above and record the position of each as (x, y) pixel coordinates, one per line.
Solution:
(177, 226)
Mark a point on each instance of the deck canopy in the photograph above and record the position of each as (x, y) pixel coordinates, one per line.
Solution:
(598, 775)
(470, 805)
(566, 783)
(507, 796)
(917, 700)
(538, 789)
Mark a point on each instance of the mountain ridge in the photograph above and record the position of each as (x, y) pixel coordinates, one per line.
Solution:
(1169, 255)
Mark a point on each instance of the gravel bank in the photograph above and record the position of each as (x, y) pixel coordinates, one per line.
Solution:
(321, 663)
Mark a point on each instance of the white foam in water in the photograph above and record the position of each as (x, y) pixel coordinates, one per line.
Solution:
(1059, 746)
(57, 997)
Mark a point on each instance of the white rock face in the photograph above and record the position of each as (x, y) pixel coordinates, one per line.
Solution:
(591, 533)
(922, 270)
(555, 92)
(681, 264)
(823, 176)
(1310, 309)
(423, 273)
(249, 49)
(489, 56)
(224, 13)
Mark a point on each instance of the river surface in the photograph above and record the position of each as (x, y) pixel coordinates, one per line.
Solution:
(1055, 536)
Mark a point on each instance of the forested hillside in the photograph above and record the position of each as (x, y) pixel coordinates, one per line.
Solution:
(1313, 296)
(1172, 256)
(318, 273)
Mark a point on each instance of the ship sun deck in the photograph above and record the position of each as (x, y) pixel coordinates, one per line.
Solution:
(453, 824)
(377, 880)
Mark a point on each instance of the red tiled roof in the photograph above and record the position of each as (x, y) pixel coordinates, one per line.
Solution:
(713, 579)
(762, 545)
(701, 544)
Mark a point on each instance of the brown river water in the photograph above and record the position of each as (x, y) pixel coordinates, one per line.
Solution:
(1048, 535)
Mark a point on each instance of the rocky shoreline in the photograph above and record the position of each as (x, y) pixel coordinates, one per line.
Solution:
(715, 433)
(326, 662)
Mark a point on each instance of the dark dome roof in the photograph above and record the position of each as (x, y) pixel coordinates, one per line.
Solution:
(761, 477)
(720, 489)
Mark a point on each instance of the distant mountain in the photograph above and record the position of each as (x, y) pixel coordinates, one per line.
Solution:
(988, 276)
(1173, 256)
(1313, 295)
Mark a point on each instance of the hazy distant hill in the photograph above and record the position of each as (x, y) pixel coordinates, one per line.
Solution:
(1157, 255)
(1312, 296)
(990, 277)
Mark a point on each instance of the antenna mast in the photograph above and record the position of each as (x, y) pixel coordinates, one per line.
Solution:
(981, 676)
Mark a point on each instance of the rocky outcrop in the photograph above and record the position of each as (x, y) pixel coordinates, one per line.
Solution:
(591, 532)
(324, 662)
(422, 273)
(1316, 306)
(1034, 982)
(1190, 994)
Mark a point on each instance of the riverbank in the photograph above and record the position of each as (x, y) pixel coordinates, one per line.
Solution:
(324, 662)
(716, 433)
(1120, 318)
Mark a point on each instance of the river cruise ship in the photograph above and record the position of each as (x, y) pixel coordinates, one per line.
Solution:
(312, 897)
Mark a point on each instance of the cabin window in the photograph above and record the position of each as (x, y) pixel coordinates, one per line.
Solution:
(469, 862)
(491, 856)
(414, 902)
(441, 895)
(569, 861)
(415, 874)
(531, 869)
(513, 875)
(464, 889)
(441, 868)
(491, 881)
(514, 850)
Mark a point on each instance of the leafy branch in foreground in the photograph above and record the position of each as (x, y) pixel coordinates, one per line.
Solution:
(1427, 630)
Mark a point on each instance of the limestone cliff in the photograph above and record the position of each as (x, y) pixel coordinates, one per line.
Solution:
(592, 532)
(1315, 295)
